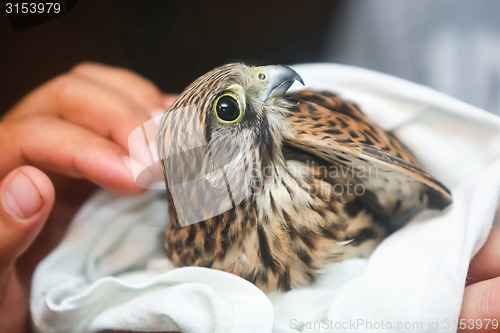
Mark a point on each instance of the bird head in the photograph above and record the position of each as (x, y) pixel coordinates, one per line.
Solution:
(228, 124)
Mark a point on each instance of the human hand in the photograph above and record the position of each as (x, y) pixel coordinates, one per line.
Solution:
(27, 197)
(481, 303)
(75, 128)
(78, 125)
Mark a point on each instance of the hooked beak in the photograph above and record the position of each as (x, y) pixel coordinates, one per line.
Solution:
(279, 79)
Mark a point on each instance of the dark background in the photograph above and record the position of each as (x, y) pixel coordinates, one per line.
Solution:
(169, 42)
(450, 45)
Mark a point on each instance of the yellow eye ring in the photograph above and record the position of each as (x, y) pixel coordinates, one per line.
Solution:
(227, 109)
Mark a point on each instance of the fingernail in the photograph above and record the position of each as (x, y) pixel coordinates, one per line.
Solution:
(20, 197)
(126, 162)
(156, 112)
(142, 175)
(168, 99)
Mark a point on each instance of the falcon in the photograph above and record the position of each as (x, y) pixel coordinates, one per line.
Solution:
(272, 186)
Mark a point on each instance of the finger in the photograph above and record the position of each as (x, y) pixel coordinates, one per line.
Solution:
(13, 303)
(481, 304)
(139, 89)
(485, 264)
(83, 102)
(71, 150)
(168, 99)
(27, 197)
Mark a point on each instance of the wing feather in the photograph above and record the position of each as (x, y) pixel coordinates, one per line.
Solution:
(337, 131)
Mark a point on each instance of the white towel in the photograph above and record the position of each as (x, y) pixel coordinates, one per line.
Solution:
(110, 272)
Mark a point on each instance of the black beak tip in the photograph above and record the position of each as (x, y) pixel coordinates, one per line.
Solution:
(299, 78)
(296, 76)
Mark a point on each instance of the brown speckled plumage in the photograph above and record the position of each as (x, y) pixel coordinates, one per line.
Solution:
(294, 219)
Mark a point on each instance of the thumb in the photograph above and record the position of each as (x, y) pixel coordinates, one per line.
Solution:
(26, 199)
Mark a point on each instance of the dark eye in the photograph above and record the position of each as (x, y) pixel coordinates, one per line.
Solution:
(227, 109)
